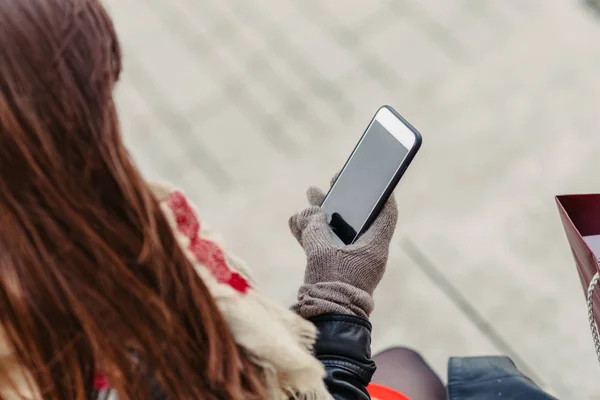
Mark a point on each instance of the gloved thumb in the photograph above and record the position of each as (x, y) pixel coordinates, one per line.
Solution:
(315, 196)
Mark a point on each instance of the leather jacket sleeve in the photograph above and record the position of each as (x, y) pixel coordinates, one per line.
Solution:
(344, 348)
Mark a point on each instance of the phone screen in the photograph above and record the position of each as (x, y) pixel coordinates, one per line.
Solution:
(363, 181)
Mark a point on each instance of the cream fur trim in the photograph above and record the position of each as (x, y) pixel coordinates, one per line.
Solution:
(276, 338)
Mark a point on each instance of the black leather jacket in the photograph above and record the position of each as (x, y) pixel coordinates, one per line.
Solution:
(344, 348)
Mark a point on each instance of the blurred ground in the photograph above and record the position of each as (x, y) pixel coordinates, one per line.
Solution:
(244, 103)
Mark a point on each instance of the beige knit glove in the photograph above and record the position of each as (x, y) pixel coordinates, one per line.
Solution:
(340, 279)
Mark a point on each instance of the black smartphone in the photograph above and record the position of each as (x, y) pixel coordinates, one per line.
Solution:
(371, 174)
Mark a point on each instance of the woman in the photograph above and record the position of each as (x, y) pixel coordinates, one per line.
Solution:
(110, 286)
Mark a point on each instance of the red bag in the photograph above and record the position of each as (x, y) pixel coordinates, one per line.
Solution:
(580, 215)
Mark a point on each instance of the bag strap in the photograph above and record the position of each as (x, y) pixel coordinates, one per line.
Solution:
(590, 306)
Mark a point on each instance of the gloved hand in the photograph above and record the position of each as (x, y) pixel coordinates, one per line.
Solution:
(340, 279)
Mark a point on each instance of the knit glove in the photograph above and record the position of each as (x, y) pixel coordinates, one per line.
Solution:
(340, 279)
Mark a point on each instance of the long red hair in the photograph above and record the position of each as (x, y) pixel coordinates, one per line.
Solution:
(91, 276)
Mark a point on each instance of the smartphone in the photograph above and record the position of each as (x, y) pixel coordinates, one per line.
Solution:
(371, 174)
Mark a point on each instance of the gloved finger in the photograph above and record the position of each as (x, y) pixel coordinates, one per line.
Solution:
(385, 223)
(310, 228)
(299, 220)
(315, 196)
(382, 229)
